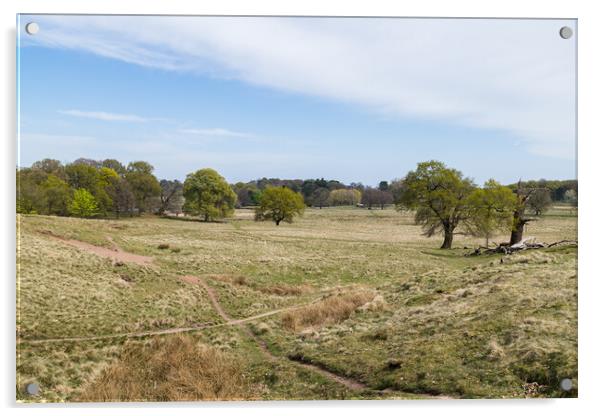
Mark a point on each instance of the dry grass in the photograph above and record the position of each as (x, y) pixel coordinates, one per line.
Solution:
(438, 322)
(333, 309)
(285, 290)
(169, 369)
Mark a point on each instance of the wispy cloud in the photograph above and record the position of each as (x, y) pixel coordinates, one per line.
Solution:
(216, 132)
(104, 116)
(511, 75)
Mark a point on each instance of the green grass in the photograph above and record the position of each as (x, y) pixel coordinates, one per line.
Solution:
(452, 325)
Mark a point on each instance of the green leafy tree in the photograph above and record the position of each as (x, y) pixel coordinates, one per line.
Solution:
(83, 204)
(208, 194)
(279, 204)
(491, 209)
(30, 196)
(439, 197)
(81, 175)
(143, 183)
(57, 195)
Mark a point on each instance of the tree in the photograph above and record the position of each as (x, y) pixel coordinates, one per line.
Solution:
(122, 197)
(82, 175)
(114, 164)
(320, 197)
(345, 197)
(143, 183)
(57, 195)
(208, 194)
(279, 204)
(383, 185)
(370, 197)
(438, 195)
(171, 196)
(50, 166)
(30, 198)
(491, 209)
(88, 162)
(373, 196)
(520, 217)
(83, 204)
(539, 201)
(384, 198)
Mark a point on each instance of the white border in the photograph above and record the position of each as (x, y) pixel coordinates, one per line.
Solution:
(590, 277)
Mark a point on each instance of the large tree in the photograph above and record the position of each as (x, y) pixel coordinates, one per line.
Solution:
(208, 194)
(144, 184)
(279, 204)
(439, 197)
(491, 209)
(523, 194)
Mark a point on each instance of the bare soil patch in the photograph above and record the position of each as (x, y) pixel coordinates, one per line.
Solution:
(116, 254)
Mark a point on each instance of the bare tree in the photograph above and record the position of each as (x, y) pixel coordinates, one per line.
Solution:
(171, 198)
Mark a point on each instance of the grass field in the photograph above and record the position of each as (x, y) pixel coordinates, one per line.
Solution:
(366, 307)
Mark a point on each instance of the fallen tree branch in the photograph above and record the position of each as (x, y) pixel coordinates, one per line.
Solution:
(524, 244)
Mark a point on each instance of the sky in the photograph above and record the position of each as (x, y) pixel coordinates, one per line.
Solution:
(353, 99)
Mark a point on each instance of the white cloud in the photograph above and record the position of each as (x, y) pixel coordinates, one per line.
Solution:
(216, 132)
(104, 116)
(512, 75)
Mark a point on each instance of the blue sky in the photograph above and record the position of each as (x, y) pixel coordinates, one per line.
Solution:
(358, 100)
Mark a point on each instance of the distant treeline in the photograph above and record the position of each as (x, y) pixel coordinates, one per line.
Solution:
(320, 192)
(103, 188)
(560, 191)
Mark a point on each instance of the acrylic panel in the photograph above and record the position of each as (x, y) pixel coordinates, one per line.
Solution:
(215, 208)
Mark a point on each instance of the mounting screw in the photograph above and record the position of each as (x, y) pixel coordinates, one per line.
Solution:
(33, 389)
(566, 384)
(566, 32)
(32, 28)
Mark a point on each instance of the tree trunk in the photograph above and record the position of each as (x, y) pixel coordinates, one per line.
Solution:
(447, 240)
(517, 228)
(206, 217)
(277, 222)
(517, 233)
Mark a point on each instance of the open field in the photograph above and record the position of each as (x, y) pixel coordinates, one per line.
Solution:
(344, 303)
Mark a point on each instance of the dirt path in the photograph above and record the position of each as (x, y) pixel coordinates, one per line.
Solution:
(164, 331)
(350, 383)
(347, 382)
(116, 254)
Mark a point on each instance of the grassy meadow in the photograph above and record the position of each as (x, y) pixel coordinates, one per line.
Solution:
(364, 307)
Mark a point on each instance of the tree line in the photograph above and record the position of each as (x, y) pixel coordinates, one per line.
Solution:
(89, 188)
(443, 200)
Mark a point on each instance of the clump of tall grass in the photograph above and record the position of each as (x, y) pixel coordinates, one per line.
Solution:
(174, 368)
(333, 309)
